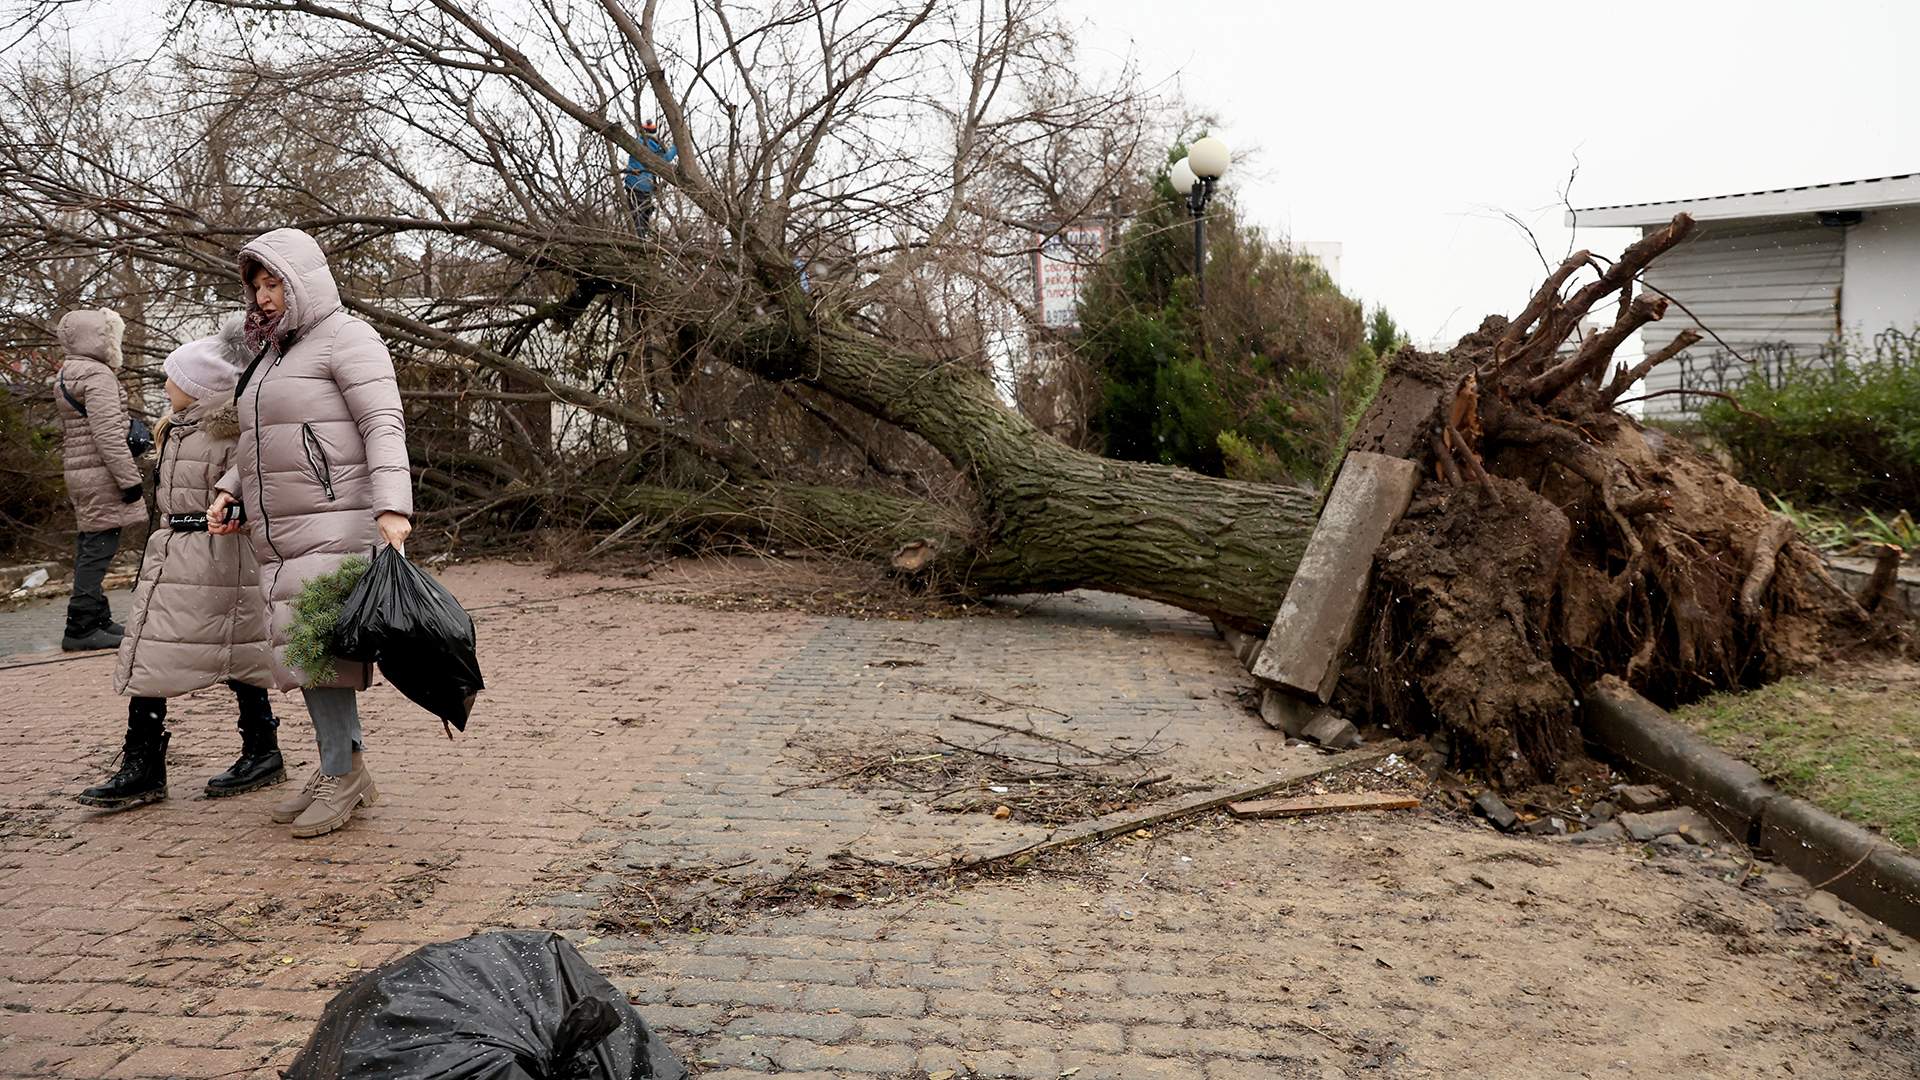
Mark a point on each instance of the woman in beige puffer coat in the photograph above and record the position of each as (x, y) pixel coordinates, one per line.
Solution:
(322, 475)
(198, 617)
(103, 479)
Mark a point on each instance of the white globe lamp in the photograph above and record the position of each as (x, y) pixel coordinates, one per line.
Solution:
(1183, 177)
(1208, 158)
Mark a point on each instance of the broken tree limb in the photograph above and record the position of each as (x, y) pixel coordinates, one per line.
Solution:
(1307, 805)
(1630, 377)
(1543, 299)
(1468, 458)
(1444, 464)
(1817, 570)
(1594, 352)
(1563, 318)
(1632, 261)
(1112, 825)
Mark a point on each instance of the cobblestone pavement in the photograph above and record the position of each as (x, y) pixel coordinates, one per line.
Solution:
(620, 735)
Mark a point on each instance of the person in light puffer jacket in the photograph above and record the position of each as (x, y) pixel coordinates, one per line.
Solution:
(198, 617)
(103, 479)
(322, 475)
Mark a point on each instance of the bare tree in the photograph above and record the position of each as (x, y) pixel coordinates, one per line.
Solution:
(813, 339)
(856, 196)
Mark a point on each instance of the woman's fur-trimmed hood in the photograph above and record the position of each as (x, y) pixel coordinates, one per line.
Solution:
(222, 419)
(93, 333)
(233, 340)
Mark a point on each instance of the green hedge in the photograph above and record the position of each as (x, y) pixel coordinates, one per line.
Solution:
(1840, 431)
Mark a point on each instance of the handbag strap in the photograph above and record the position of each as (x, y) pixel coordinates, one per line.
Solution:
(246, 376)
(71, 400)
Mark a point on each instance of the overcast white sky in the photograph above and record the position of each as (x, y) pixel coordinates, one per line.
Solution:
(1401, 127)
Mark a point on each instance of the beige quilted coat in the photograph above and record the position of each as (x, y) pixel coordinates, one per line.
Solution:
(323, 447)
(94, 447)
(198, 615)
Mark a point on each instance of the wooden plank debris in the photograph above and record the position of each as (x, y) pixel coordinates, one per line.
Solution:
(1305, 805)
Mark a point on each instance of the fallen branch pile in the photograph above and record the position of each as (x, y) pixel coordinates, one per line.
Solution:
(1019, 775)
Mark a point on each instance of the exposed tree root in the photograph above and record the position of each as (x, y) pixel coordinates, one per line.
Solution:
(1588, 546)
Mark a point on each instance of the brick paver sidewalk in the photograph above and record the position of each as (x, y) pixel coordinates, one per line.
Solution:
(194, 939)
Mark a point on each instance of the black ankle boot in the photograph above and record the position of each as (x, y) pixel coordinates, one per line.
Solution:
(142, 777)
(259, 764)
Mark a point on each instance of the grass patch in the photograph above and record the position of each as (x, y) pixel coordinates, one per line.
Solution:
(1847, 741)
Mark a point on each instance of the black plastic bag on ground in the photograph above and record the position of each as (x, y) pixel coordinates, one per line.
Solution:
(423, 640)
(511, 1005)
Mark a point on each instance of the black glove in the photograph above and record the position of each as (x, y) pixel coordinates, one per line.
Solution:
(132, 494)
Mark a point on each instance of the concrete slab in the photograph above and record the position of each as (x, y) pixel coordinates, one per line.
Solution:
(1322, 606)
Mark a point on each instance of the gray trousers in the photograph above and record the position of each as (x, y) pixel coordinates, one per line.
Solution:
(336, 727)
(87, 610)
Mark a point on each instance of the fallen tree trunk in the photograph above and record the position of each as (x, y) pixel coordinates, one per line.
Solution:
(1048, 517)
(1553, 541)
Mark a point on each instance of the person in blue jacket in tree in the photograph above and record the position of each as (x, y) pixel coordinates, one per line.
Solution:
(640, 180)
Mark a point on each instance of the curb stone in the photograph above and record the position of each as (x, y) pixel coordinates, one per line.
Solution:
(1842, 858)
(1632, 729)
(1852, 863)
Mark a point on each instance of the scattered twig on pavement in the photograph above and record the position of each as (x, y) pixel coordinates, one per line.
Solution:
(1344, 1044)
(1028, 731)
(225, 929)
(1050, 786)
(1130, 821)
(884, 761)
(1306, 805)
(1856, 865)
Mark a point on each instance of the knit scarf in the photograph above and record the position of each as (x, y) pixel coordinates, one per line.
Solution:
(262, 328)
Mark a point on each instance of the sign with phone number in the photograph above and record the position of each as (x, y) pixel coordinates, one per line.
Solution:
(1060, 270)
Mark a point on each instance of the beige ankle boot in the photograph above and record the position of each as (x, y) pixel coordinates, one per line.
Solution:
(334, 800)
(295, 803)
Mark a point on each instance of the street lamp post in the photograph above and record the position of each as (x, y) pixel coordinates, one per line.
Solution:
(1194, 176)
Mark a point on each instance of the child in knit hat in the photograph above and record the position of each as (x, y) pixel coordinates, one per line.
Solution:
(198, 617)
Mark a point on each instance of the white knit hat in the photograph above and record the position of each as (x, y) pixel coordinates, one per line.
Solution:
(200, 369)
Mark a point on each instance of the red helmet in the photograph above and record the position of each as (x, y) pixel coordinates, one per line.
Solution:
(649, 126)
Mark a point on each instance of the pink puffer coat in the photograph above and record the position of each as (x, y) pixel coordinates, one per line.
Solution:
(323, 448)
(94, 446)
(198, 616)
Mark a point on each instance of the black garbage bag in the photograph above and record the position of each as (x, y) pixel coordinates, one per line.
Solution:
(510, 1005)
(423, 640)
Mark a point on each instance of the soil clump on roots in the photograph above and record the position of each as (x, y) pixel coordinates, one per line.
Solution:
(1554, 540)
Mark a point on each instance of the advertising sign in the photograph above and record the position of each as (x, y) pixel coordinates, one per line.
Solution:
(1061, 268)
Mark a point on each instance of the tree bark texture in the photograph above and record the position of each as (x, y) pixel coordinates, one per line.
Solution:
(1048, 517)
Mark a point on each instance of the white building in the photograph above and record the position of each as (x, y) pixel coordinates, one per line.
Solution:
(1327, 253)
(1772, 272)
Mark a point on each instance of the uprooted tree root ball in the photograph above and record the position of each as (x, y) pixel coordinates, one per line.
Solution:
(1555, 540)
